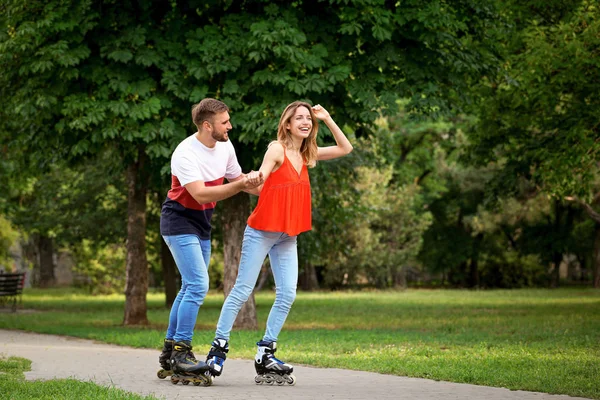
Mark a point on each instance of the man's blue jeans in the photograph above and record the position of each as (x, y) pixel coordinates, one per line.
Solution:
(192, 256)
(283, 255)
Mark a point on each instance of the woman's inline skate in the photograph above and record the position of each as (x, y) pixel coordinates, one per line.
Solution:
(269, 369)
(217, 355)
(186, 368)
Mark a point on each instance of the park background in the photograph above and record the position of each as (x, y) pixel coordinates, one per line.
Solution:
(475, 126)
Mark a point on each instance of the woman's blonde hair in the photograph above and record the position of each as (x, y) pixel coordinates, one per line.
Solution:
(308, 148)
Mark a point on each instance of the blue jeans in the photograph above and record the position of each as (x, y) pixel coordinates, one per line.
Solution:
(192, 256)
(283, 255)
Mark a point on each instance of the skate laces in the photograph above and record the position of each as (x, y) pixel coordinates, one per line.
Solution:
(221, 345)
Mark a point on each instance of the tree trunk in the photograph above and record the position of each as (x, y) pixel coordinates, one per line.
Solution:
(464, 274)
(169, 273)
(31, 256)
(235, 211)
(556, 253)
(594, 215)
(400, 278)
(46, 254)
(137, 263)
(474, 264)
(596, 261)
(265, 273)
(308, 277)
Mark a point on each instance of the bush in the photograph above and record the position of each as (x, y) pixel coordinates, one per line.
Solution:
(101, 269)
(8, 237)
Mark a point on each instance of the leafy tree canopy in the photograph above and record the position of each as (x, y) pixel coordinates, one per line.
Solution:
(541, 120)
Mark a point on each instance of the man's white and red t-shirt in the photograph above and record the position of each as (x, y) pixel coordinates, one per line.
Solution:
(193, 161)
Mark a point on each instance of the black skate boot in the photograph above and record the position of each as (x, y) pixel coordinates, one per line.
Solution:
(186, 368)
(165, 360)
(217, 355)
(269, 369)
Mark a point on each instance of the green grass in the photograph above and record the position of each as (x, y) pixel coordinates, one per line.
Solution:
(13, 385)
(537, 340)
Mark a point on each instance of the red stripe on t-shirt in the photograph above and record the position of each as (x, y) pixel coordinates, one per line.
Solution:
(180, 194)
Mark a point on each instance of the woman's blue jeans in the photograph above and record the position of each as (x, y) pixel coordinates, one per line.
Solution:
(192, 256)
(283, 255)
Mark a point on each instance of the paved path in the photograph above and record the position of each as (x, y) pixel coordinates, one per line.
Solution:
(134, 370)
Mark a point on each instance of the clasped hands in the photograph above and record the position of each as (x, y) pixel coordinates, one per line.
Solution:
(253, 179)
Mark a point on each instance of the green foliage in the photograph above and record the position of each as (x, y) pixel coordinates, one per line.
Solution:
(116, 80)
(511, 253)
(126, 72)
(8, 237)
(336, 205)
(85, 78)
(370, 215)
(73, 204)
(382, 238)
(424, 154)
(540, 121)
(448, 244)
(101, 270)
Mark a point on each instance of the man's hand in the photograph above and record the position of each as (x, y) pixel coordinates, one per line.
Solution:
(253, 179)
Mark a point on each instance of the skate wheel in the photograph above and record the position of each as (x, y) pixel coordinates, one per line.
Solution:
(269, 380)
(174, 380)
(291, 380)
(197, 383)
(279, 380)
(186, 382)
(162, 374)
(208, 380)
(257, 380)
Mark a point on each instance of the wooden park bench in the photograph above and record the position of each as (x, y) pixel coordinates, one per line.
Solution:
(11, 289)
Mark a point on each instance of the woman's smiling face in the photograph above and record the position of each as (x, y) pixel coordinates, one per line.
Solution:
(300, 124)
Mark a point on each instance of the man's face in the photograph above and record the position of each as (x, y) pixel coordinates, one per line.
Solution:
(221, 125)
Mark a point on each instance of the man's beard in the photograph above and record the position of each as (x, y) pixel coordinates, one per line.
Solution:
(219, 137)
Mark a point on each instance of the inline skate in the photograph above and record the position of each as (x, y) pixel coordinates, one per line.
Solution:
(269, 369)
(165, 360)
(217, 355)
(186, 369)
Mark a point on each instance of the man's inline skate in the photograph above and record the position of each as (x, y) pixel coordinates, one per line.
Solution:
(186, 368)
(269, 369)
(165, 360)
(216, 356)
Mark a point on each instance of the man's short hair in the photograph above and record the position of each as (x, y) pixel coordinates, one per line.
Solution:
(206, 110)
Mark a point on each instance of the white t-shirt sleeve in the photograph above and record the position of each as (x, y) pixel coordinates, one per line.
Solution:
(233, 167)
(185, 168)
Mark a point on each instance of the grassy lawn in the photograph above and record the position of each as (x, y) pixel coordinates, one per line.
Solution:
(538, 340)
(12, 382)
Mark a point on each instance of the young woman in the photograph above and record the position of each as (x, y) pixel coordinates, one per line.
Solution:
(282, 213)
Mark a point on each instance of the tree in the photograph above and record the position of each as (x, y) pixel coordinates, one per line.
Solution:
(63, 207)
(98, 74)
(540, 121)
(80, 80)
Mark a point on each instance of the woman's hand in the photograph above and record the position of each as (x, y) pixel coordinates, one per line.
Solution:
(254, 179)
(320, 112)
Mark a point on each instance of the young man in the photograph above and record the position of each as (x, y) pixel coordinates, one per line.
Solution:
(199, 166)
